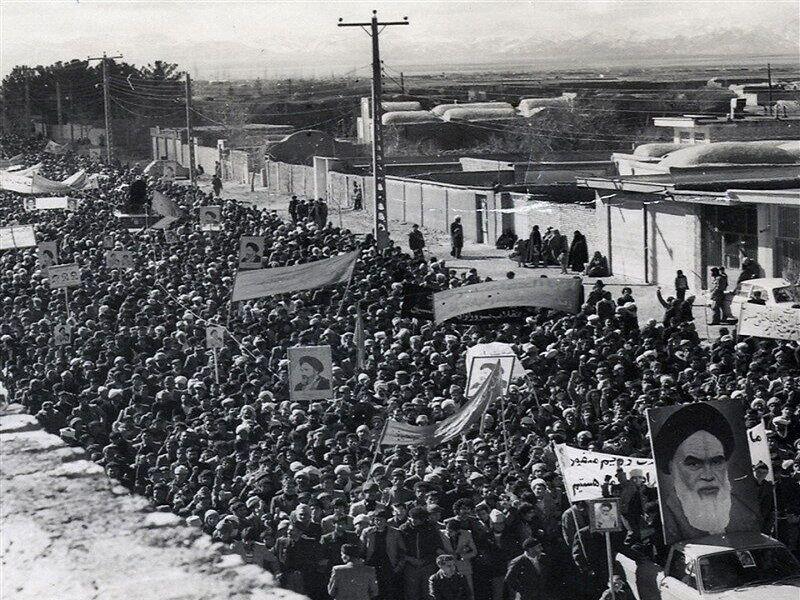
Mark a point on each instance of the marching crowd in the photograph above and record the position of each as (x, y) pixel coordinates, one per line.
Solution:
(302, 488)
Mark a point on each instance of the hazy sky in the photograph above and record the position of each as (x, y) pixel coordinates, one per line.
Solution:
(36, 32)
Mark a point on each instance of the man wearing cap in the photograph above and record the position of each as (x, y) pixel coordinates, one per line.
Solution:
(692, 448)
(528, 575)
(340, 506)
(447, 583)
(332, 542)
(371, 491)
(423, 543)
(384, 550)
(352, 580)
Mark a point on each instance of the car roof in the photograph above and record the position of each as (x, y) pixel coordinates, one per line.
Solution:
(725, 542)
(768, 282)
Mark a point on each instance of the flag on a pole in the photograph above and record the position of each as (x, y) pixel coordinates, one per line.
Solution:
(359, 339)
(397, 433)
(759, 448)
(165, 206)
(296, 278)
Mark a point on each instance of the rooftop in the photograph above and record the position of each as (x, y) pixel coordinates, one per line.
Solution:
(703, 178)
(694, 120)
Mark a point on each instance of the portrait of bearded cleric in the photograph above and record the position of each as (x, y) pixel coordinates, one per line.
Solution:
(705, 481)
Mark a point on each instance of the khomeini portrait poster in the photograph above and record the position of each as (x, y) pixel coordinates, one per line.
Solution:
(703, 470)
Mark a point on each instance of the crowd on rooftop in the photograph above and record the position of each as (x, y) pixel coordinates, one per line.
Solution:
(301, 487)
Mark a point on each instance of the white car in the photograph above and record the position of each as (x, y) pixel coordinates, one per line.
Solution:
(774, 291)
(740, 566)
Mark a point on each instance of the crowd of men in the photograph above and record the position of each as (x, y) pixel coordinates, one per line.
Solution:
(302, 488)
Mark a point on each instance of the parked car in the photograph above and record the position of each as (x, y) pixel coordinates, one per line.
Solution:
(774, 291)
(741, 566)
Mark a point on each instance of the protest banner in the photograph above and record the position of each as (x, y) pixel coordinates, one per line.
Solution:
(64, 276)
(51, 203)
(16, 182)
(703, 470)
(53, 148)
(585, 472)
(779, 322)
(296, 278)
(251, 250)
(396, 433)
(47, 254)
(759, 448)
(310, 373)
(119, 259)
(17, 236)
(558, 294)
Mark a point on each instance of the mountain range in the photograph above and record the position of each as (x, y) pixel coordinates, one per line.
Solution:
(339, 52)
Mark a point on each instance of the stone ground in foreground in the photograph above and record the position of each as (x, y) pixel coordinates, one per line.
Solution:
(67, 532)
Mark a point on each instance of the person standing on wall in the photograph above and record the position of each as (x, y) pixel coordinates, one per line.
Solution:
(456, 238)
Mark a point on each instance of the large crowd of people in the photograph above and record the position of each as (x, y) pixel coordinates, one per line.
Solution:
(302, 488)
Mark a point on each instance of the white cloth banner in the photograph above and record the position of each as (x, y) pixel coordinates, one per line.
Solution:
(21, 236)
(53, 203)
(555, 293)
(780, 322)
(296, 278)
(759, 448)
(584, 472)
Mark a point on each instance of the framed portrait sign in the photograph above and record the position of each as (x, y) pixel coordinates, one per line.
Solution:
(251, 250)
(310, 373)
(62, 334)
(47, 254)
(119, 259)
(215, 337)
(604, 515)
(211, 218)
(481, 367)
(704, 469)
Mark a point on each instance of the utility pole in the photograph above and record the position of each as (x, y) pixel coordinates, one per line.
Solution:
(189, 134)
(402, 83)
(58, 104)
(769, 85)
(381, 221)
(28, 122)
(107, 103)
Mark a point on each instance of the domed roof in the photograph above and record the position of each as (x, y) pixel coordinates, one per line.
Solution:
(657, 149)
(731, 153)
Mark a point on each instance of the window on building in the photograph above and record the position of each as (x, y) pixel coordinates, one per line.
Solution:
(730, 233)
(699, 136)
(685, 137)
(787, 243)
